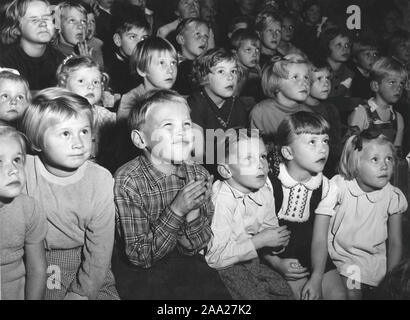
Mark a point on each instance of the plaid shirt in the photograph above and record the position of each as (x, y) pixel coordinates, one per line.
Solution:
(147, 225)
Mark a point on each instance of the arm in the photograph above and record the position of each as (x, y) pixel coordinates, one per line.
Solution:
(400, 130)
(358, 118)
(36, 265)
(394, 250)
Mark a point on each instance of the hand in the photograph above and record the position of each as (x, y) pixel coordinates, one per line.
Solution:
(347, 83)
(312, 290)
(83, 49)
(291, 269)
(109, 99)
(272, 237)
(74, 296)
(190, 197)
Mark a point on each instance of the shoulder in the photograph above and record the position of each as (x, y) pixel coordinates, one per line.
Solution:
(397, 200)
(130, 173)
(98, 174)
(200, 170)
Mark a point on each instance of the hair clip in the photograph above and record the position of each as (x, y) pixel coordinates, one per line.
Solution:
(67, 59)
(14, 71)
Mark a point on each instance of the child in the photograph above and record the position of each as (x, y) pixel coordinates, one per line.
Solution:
(268, 25)
(22, 225)
(399, 47)
(317, 101)
(75, 194)
(287, 83)
(246, 46)
(155, 60)
(237, 23)
(192, 36)
(82, 75)
(244, 221)
(14, 97)
(367, 213)
(164, 208)
(288, 30)
(299, 190)
(28, 24)
(92, 41)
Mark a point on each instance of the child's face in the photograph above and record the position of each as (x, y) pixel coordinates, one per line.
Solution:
(12, 176)
(195, 39)
(271, 35)
(339, 49)
(90, 25)
(168, 132)
(250, 169)
(86, 82)
(249, 53)
(162, 71)
(73, 25)
(37, 25)
(13, 100)
(188, 9)
(297, 86)
(129, 39)
(366, 58)
(402, 51)
(313, 14)
(208, 10)
(309, 152)
(67, 145)
(288, 30)
(390, 88)
(375, 166)
(223, 79)
(321, 84)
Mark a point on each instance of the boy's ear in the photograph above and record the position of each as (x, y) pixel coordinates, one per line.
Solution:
(223, 170)
(180, 40)
(287, 153)
(138, 139)
(117, 39)
(142, 74)
(374, 86)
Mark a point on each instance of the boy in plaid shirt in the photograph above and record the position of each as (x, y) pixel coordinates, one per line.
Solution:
(163, 208)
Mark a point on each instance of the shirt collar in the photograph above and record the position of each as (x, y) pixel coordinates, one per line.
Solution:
(254, 196)
(373, 196)
(103, 9)
(288, 182)
(373, 105)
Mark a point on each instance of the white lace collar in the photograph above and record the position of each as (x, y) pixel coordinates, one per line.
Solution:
(288, 182)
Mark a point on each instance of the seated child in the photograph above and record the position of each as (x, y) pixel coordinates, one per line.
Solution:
(237, 23)
(28, 26)
(192, 36)
(23, 225)
(14, 97)
(244, 221)
(367, 213)
(286, 83)
(364, 54)
(286, 45)
(299, 190)
(76, 195)
(92, 41)
(163, 208)
(399, 47)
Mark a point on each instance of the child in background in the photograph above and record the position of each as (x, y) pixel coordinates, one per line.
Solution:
(268, 25)
(14, 97)
(246, 46)
(244, 221)
(318, 102)
(95, 44)
(237, 23)
(287, 84)
(164, 208)
(301, 192)
(76, 195)
(364, 54)
(83, 76)
(23, 225)
(192, 36)
(288, 31)
(367, 213)
(28, 25)
(399, 47)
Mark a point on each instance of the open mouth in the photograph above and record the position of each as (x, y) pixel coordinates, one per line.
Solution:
(14, 184)
(90, 95)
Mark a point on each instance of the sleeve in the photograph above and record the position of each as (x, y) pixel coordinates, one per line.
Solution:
(98, 244)
(146, 241)
(358, 118)
(255, 120)
(329, 198)
(398, 202)
(126, 104)
(227, 247)
(36, 225)
(270, 220)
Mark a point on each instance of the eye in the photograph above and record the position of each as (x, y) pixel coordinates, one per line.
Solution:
(21, 98)
(85, 131)
(389, 158)
(326, 141)
(374, 159)
(188, 124)
(4, 96)
(264, 156)
(167, 125)
(71, 21)
(96, 83)
(312, 141)
(220, 72)
(18, 160)
(65, 134)
(234, 72)
(80, 81)
(174, 63)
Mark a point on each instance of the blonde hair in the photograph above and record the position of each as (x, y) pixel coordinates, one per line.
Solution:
(350, 159)
(50, 107)
(6, 75)
(11, 132)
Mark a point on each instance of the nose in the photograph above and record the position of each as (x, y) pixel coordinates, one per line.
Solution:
(13, 101)
(170, 69)
(77, 142)
(12, 169)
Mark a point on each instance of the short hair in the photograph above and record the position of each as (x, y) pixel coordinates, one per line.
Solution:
(73, 63)
(384, 67)
(7, 131)
(142, 56)
(397, 38)
(10, 27)
(207, 60)
(137, 117)
(242, 35)
(237, 20)
(126, 21)
(10, 76)
(327, 36)
(363, 43)
(349, 160)
(186, 22)
(302, 122)
(263, 18)
(277, 70)
(70, 4)
(50, 107)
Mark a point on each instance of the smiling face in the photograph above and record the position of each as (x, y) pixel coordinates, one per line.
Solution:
(297, 86)
(222, 80)
(321, 84)
(271, 34)
(375, 166)
(73, 25)
(339, 49)
(67, 145)
(13, 100)
(12, 176)
(194, 40)
(249, 53)
(86, 82)
(37, 24)
(161, 72)
(313, 14)
(168, 132)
